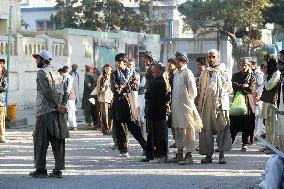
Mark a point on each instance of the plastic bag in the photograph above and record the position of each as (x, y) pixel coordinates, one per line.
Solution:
(238, 106)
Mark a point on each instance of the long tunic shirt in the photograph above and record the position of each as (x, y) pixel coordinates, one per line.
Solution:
(183, 94)
(214, 95)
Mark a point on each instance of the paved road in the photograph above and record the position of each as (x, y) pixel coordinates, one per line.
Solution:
(91, 164)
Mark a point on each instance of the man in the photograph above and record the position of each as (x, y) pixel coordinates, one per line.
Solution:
(281, 104)
(76, 79)
(184, 110)
(156, 95)
(71, 105)
(213, 105)
(148, 60)
(50, 123)
(123, 85)
(3, 88)
(270, 97)
(171, 70)
(141, 97)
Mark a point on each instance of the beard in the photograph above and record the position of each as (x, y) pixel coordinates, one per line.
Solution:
(40, 65)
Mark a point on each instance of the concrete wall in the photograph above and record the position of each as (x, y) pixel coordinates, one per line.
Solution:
(199, 47)
(67, 47)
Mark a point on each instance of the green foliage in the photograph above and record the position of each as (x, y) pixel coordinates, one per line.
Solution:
(66, 14)
(230, 18)
(97, 15)
(275, 13)
(223, 15)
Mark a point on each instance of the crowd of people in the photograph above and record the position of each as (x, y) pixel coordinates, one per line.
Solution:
(122, 99)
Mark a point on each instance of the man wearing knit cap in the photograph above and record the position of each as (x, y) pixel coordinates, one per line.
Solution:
(50, 123)
(184, 112)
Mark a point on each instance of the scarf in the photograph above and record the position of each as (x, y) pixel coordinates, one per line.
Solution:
(123, 77)
(247, 77)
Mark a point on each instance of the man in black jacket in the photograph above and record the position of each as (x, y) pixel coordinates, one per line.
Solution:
(156, 96)
(123, 85)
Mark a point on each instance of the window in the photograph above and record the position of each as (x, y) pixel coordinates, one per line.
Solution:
(44, 25)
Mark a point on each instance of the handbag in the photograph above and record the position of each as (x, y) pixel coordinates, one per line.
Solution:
(238, 106)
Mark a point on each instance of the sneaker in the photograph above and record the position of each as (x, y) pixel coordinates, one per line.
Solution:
(244, 148)
(222, 160)
(187, 160)
(126, 154)
(38, 173)
(206, 160)
(55, 173)
(173, 145)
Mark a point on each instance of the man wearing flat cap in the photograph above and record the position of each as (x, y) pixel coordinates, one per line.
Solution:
(184, 113)
(50, 123)
(148, 62)
(156, 96)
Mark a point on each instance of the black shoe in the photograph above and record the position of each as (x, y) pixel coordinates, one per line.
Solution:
(38, 173)
(55, 173)
(206, 160)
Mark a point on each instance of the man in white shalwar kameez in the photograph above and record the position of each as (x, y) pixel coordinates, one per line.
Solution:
(184, 112)
(71, 104)
(213, 104)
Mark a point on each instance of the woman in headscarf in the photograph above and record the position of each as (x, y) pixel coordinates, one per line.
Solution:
(244, 82)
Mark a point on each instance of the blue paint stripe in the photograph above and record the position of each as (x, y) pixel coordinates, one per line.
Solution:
(37, 9)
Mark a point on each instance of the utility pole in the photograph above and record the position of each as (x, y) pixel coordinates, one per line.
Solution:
(9, 52)
(151, 11)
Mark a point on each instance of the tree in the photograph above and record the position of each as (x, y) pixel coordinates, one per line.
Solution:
(91, 17)
(67, 14)
(226, 17)
(274, 14)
